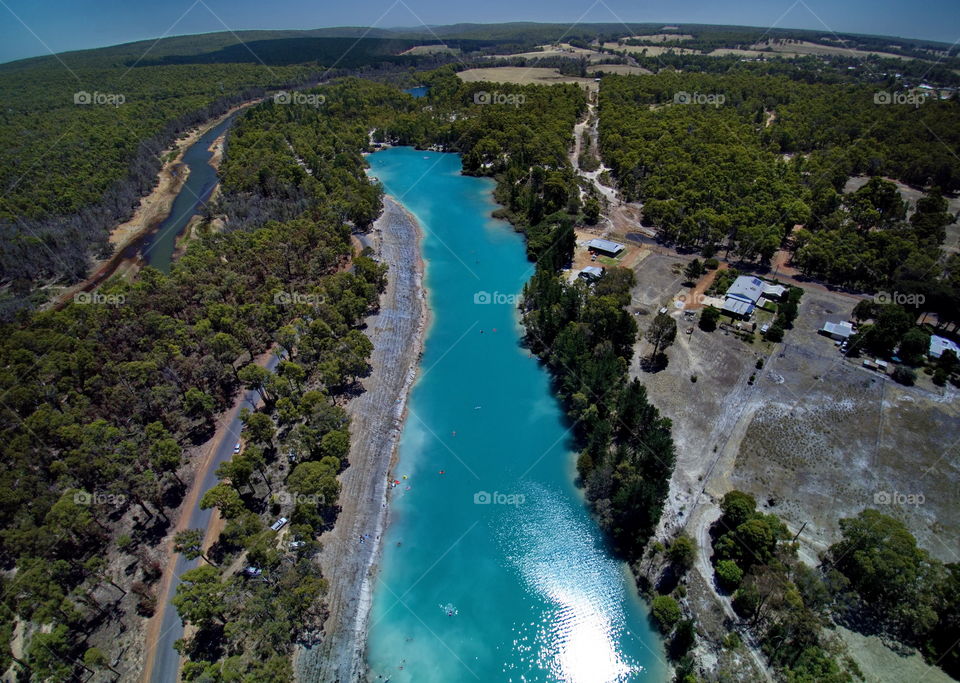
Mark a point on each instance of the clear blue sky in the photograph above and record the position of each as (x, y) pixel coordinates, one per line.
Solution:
(34, 27)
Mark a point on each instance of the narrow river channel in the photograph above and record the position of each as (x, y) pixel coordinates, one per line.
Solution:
(492, 568)
(159, 246)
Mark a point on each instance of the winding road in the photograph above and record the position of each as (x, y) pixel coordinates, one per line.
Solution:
(161, 661)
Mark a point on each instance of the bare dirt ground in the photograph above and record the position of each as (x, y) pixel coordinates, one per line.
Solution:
(880, 664)
(622, 69)
(815, 438)
(523, 75)
(376, 419)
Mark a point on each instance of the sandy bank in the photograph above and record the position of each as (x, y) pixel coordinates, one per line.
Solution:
(152, 210)
(377, 415)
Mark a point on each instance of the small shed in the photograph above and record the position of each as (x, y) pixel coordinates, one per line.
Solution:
(608, 247)
(839, 331)
(591, 273)
(940, 344)
(774, 292)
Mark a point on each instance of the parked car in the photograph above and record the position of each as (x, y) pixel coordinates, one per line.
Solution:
(236, 448)
(252, 571)
(296, 545)
(279, 524)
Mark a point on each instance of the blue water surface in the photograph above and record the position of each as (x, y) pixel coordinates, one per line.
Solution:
(493, 569)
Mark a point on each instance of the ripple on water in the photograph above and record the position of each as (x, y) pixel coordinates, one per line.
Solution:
(556, 553)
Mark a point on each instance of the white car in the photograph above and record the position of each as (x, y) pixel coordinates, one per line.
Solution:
(279, 524)
(253, 571)
(296, 545)
(236, 448)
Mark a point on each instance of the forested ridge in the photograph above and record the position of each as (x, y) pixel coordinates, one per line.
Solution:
(71, 171)
(101, 400)
(776, 153)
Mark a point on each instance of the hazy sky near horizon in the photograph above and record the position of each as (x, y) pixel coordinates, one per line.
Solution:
(36, 27)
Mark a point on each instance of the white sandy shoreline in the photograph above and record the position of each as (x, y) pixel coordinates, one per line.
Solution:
(377, 416)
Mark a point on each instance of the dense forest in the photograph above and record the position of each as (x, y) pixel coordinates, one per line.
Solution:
(776, 153)
(102, 400)
(70, 172)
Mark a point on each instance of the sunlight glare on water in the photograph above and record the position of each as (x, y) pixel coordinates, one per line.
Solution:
(577, 639)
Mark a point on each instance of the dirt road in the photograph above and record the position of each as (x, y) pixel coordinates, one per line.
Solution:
(161, 661)
(376, 418)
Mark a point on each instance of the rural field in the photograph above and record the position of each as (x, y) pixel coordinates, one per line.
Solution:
(813, 437)
(522, 75)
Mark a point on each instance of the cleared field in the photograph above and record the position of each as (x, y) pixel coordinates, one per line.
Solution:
(431, 50)
(522, 75)
(662, 37)
(561, 50)
(622, 69)
(651, 50)
(761, 50)
(816, 437)
(832, 438)
(805, 47)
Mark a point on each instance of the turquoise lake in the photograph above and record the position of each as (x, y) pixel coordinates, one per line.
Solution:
(492, 568)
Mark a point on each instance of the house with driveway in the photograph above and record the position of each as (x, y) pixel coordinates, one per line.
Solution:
(745, 293)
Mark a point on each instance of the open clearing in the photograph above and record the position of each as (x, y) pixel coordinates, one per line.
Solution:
(431, 50)
(651, 50)
(662, 37)
(561, 50)
(622, 69)
(522, 75)
(764, 50)
(805, 47)
(814, 438)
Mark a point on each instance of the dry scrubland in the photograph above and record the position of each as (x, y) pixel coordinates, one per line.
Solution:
(522, 75)
(815, 437)
(832, 435)
(431, 50)
(758, 50)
